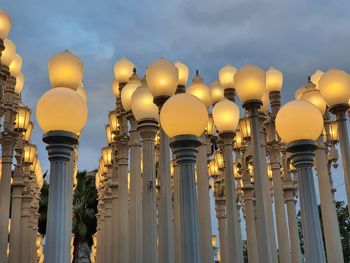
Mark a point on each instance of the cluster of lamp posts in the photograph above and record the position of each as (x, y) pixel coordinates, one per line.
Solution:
(165, 215)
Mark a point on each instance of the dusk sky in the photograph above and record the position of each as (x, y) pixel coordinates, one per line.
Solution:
(297, 37)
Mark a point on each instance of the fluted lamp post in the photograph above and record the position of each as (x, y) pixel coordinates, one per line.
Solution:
(250, 83)
(202, 92)
(146, 115)
(184, 118)
(226, 118)
(162, 79)
(299, 124)
(8, 104)
(61, 113)
(334, 86)
(329, 214)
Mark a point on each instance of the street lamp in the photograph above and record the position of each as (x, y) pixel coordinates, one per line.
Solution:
(313, 95)
(299, 124)
(115, 88)
(226, 78)
(226, 118)
(299, 92)
(200, 90)
(61, 113)
(162, 79)
(183, 76)
(250, 84)
(316, 76)
(123, 70)
(28, 132)
(16, 65)
(184, 118)
(22, 119)
(65, 70)
(5, 25)
(335, 89)
(146, 115)
(216, 91)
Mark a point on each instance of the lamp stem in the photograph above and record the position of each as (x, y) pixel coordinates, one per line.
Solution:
(108, 222)
(262, 195)
(148, 131)
(59, 218)
(115, 202)
(329, 214)
(184, 149)
(345, 150)
(204, 202)
(303, 157)
(220, 208)
(235, 247)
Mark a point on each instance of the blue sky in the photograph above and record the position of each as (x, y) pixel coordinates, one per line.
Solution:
(296, 37)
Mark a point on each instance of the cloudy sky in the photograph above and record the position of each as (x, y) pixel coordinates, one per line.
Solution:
(296, 37)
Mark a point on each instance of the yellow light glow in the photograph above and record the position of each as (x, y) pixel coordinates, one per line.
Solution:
(115, 88)
(8, 54)
(333, 131)
(210, 130)
(123, 70)
(16, 66)
(183, 114)
(61, 109)
(28, 133)
(226, 76)
(313, 95)
(238, 140)
(216, 91)
(213, 168)
(142, 105)
(127, 92)
(219, 160)
(226, 116)
(65, 70)
(274, 80)
(109, 134)
(22, 118)
(266, 103)
(107, 155)
(244, 126)
(335, 87)
(183, 72)
(81, 91)
(200, 90)
(29, 153)
(213, 240)
(250, 83)
(299, 120)
(162, 78)
(19, 83)
(5, 24)
(299, 92)
(113, 121)
(269, 171)
(315, 78)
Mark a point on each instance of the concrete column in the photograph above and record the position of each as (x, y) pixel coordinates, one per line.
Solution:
(329, 213)
(205, 234)
(303, 157)
(248, 197)
(344, 146)
(177, 228)
(108, 226)
(148, 130)
(281, 220)
(235, 249)
(184, 149)
(263, 199)
(114, 185)
(17, 189)
(220, 208)
(59, 221)
(136, 219)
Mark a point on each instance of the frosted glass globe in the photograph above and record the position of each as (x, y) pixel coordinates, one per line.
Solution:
(82, 92)
(8, 54)
(299, 92)
(200, 90)
(115, 88)
(123, 70)
(250, 83)
(274, 80)
(61, 109)
(16, 66)
(226, 116)
(226, 75)
(183, 73)
(315, 77)
(299, 120)
(313, 95)
(19, 83)
(142, 105)
(335, 87)
(162, 78)
(216, 91)
(183, 114)
(65, 70)
(265, 102)
(5, 24)
(127, 92)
